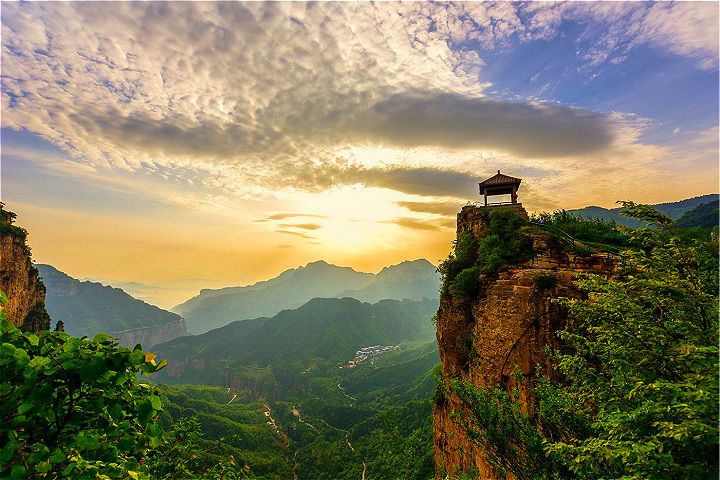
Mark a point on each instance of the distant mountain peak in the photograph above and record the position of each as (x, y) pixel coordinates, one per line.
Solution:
(319, 263)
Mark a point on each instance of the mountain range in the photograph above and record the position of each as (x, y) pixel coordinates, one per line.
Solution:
(323, 330)
(214, 308)
(89, 308)
(673, 209)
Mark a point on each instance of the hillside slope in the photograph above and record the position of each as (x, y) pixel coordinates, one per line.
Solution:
(704, 216)
(673, 209)
(324, 330)
(88, 308)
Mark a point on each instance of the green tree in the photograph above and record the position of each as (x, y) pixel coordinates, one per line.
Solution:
(72, 407)
(639, 367)
(183, 454)
(642, 365)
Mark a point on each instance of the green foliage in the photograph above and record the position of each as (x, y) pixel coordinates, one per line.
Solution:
(7, 218)
(37, 319)
(593, 230)
(467, 283)
(639, 369)
(221, 427)
(183, 454)
(471, 260)
(498, 425)
(463, 255)
(503, 242)
(645, 357)
(440, 393)
(72, 407)
(400, 455)
(545, 281)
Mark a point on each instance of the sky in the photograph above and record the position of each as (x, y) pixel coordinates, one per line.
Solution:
(227, 142)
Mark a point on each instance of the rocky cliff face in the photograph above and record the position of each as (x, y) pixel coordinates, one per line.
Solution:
(150, 336)
(20, 281)
(506, 329)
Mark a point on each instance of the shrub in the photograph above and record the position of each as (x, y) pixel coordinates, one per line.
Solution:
(72, 408)
(545, 281)
(467, 283)
(592, 230)
(463, 256)
(503, 242)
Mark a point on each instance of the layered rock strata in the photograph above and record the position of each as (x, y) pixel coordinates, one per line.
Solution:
(20, 281)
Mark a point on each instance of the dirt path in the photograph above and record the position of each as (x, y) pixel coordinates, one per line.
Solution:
(296, 412)
(342, 389)
(271, 421)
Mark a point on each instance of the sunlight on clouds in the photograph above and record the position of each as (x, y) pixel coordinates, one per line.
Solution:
(342, 131)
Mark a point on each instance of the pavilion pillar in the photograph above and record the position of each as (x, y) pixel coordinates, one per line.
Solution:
(486, 198)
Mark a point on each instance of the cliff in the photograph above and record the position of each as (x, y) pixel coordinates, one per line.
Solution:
(152, 335)
(89, 308)
(19, 280)
(505, 329)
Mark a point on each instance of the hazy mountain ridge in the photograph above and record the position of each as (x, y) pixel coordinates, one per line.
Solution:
(88, 308)
(703, 216)
(291, 289)
(673, 209)
(413, 280)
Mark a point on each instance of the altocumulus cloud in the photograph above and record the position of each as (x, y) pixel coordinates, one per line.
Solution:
(267, 94)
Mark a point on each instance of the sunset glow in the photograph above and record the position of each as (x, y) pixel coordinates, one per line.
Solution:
(227, 142)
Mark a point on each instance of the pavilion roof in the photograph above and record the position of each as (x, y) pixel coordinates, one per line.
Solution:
(500, 179)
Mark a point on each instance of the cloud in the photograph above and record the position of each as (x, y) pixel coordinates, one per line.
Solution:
(259, 97)
(453, 121)
(297, 234)
(613, 29)
(417, 181)
(303, 226)
(448, 209)
(283, 246)
(416, 224)
(283, 216)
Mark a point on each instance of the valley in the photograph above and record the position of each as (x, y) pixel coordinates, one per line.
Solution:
(341, 388)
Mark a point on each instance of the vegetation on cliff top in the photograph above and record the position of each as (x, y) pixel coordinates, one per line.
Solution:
(503, 243)
(7, 219)
(640, 364)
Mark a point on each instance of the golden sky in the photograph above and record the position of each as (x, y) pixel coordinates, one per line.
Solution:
(231, 141)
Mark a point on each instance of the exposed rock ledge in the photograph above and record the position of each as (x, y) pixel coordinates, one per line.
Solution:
(150, 336)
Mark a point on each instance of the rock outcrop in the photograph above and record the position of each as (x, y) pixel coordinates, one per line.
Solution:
(20, 281)
(488, 339)
(152, 335)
